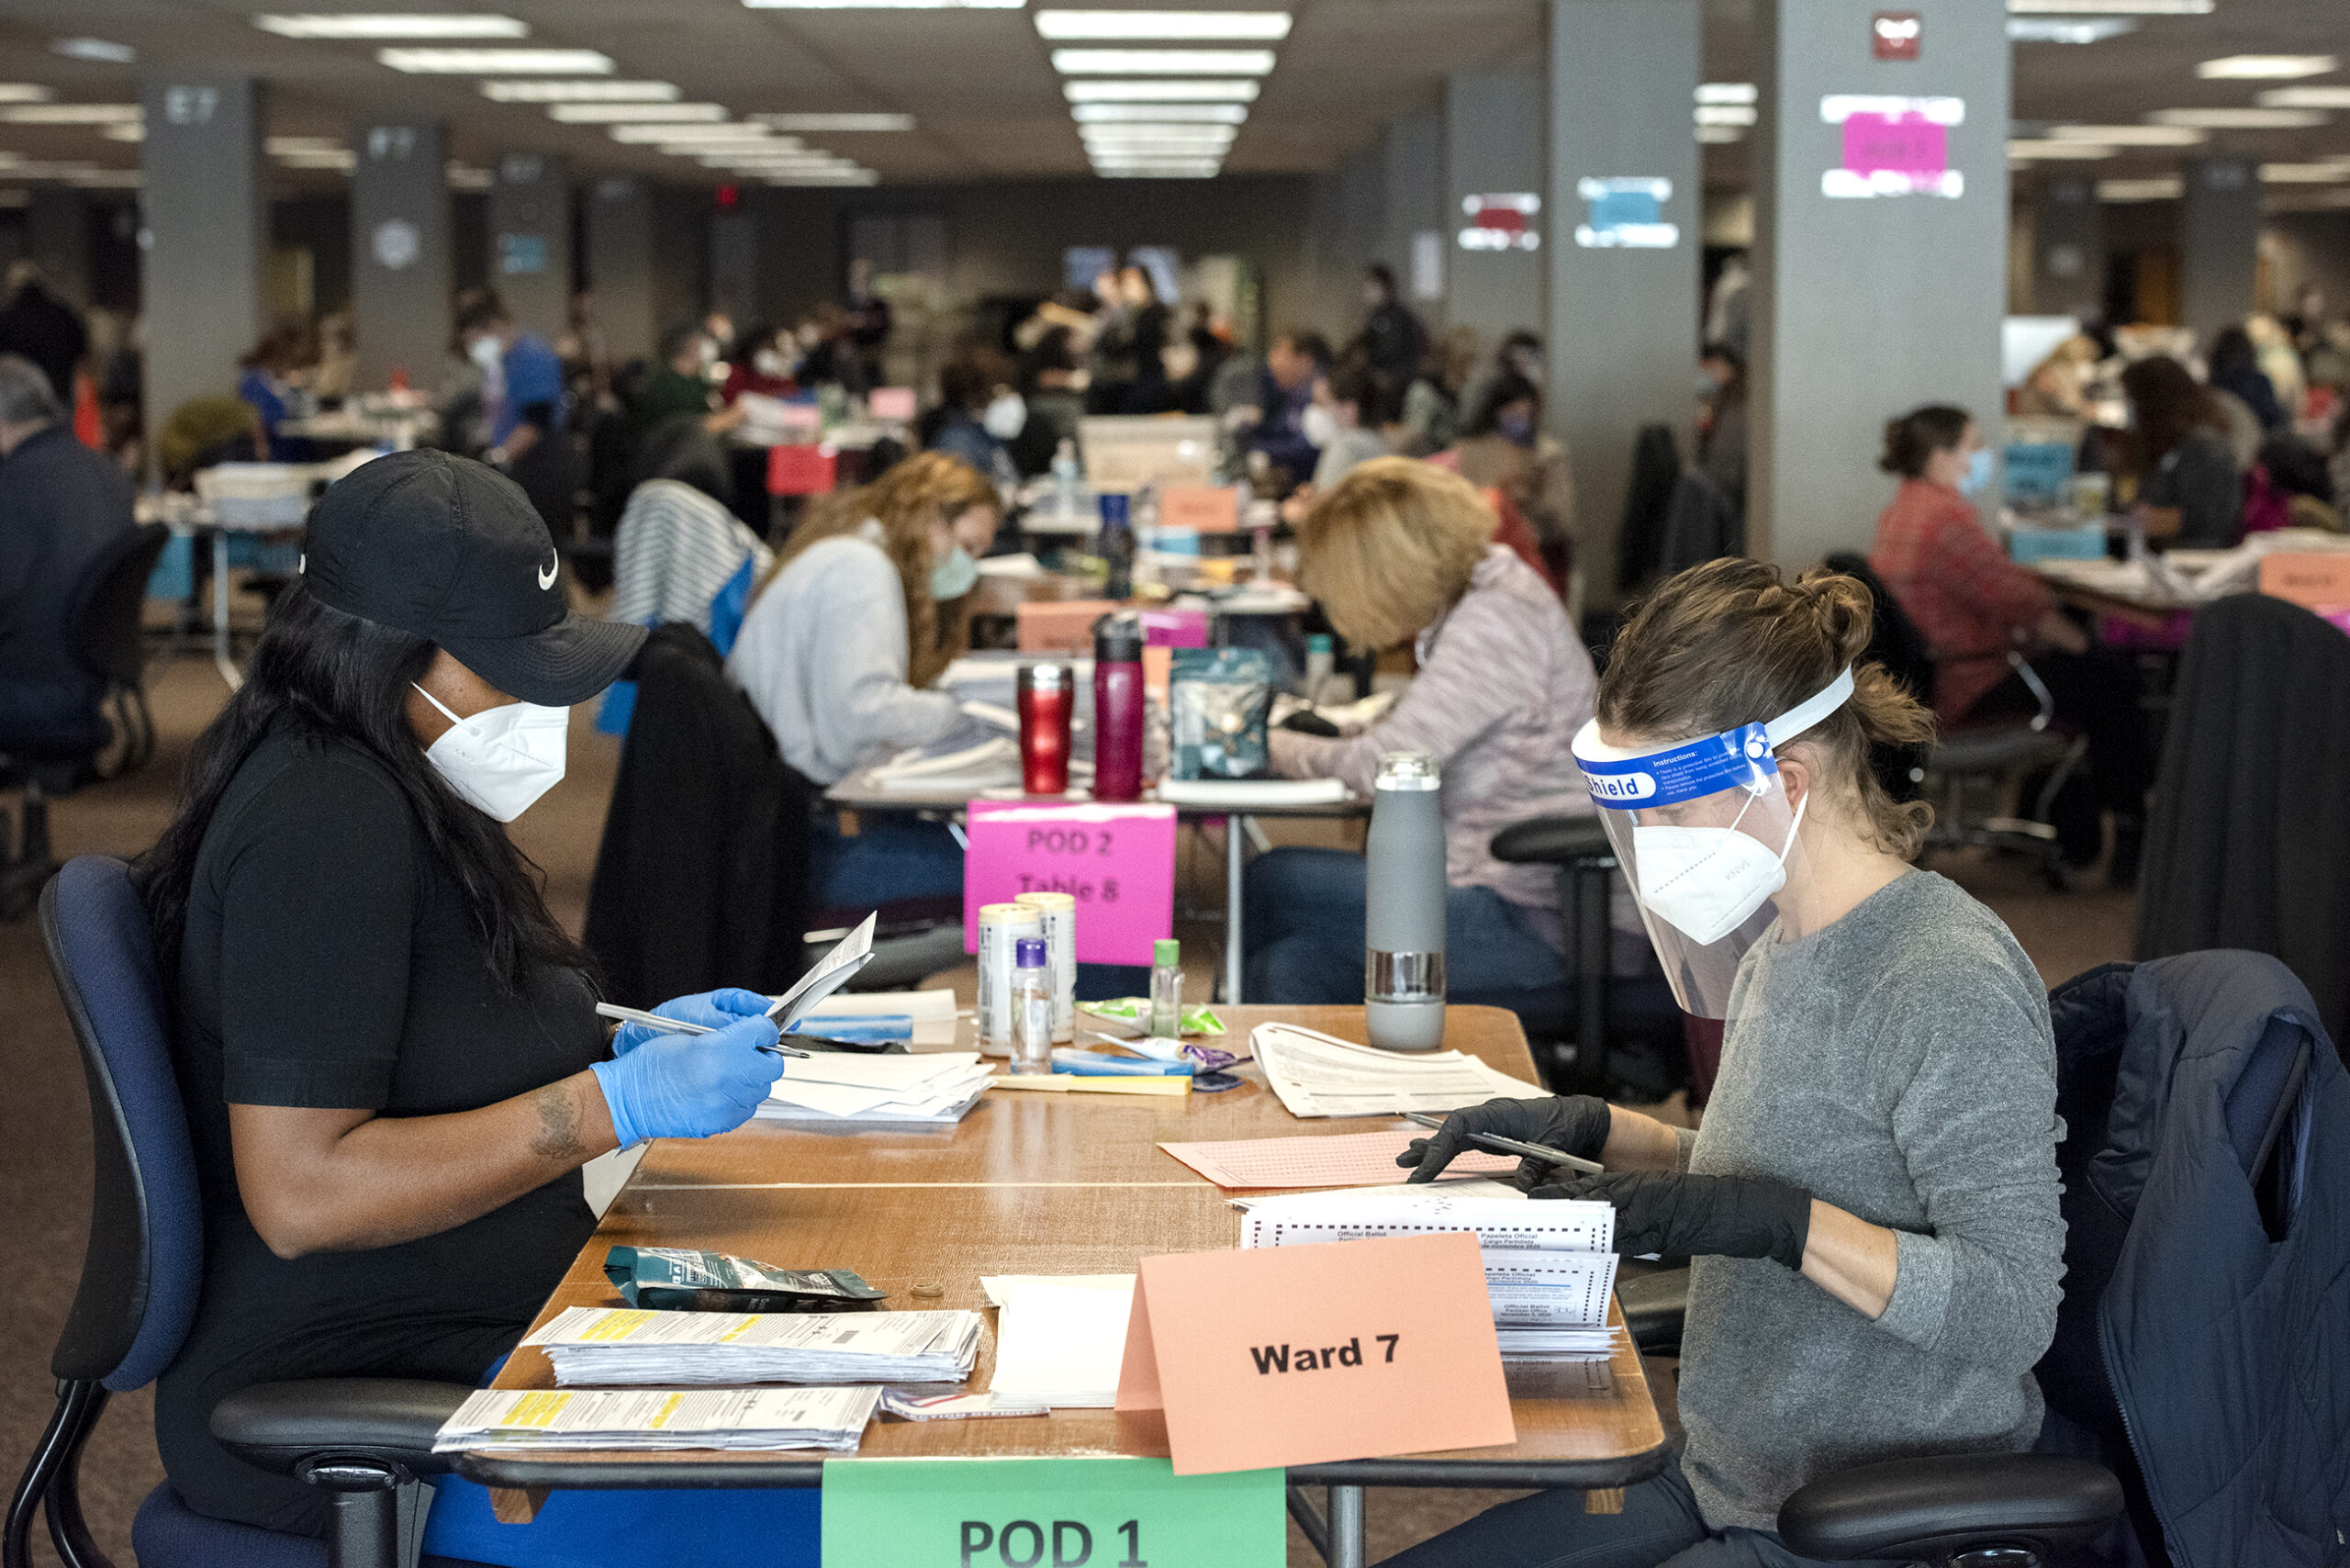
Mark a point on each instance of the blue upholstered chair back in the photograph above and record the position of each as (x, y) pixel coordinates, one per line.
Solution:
(145, 1262)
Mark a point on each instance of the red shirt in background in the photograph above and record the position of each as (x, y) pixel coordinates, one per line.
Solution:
(1953, 581)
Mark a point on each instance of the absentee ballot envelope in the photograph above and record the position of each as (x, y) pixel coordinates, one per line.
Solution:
(1304, 1355)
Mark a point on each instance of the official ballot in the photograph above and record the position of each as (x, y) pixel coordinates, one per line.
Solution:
(1304, 1355)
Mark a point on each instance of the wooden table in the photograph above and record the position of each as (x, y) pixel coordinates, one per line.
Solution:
(1033, 1183)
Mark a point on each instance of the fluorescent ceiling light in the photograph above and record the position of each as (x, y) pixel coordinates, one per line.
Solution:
(1150, 160)
(2305, 173)
(1159, 172)
(1726, 114)
(71, 114)
(735, 135)
(1163, 62)
(1143, 132)
(1147, 145)
(104, 51)
(2027, 147)
(2162, 187)
(823, 122)
(333, 158)
(2306, 99)
(1267, 27)
(638, 114)
(128, 130)
(810, 159)
(2264, 67)
(1229, 91)
(885, 4)
(1726, 92)
(24, 93)
(281, 145)
(2130, 134)
(580, 92)
(363, 25)
(2241, 119)
(466, 177)
(2067, 29)
(1720, 135)
(1158, 114)
(862, 177)
(2116, 8)
(106, 179)
(496, 61)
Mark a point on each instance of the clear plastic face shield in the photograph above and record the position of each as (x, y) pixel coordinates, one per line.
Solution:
(1709, 840)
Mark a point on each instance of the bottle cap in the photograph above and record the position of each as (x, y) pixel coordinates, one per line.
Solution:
(1118, 639)
(1415, 770)
(1043, 677)
(1028, 953)
(1166, 952)
(1318, 642)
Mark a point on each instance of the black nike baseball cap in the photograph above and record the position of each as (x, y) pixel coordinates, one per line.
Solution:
(453, 550)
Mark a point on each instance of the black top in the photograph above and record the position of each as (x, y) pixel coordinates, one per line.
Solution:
(61, 504)
(46, 330)
(2199, 477)
(329, 962)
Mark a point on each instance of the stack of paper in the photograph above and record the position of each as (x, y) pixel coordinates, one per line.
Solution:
(933, 1089)
(1549, 1266)
(995, 760)
(1060, 1342)
(519, 1420)
(626, 1345)
(1321, 1075)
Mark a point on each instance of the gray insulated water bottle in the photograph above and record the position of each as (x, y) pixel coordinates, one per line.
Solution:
(1402, 960)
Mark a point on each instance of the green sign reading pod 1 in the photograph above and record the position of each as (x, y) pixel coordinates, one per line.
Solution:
(1049, 1513)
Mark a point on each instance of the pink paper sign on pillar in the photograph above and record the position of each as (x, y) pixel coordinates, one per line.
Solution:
(1908, 146)
(1117, 862)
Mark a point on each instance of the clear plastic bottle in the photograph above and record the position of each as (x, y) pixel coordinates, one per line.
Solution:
(1066, 473)
(1166, 988)
(1032, 1007)
(1321, 659)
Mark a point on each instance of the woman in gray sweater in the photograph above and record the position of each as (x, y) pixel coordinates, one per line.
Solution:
(1870, 1208)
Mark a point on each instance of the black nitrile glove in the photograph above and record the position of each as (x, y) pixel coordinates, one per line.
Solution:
(1682, 1215)
(1571, 1123)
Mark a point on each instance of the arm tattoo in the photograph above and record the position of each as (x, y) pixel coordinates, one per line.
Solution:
(558, 1125)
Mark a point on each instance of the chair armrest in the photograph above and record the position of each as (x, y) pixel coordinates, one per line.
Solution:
(1557, 841)
(1653, 1308)
(275, 1426)
(1923, 1509)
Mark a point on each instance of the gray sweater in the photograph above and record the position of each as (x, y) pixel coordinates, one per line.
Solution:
(1899, 1065)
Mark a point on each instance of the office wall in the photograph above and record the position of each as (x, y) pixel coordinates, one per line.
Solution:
(1496, 141)
(2308, 247)
(1412, 156)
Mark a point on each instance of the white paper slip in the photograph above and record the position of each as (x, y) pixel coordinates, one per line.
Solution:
(1320, 1075)
(908, 1405)
(1061, 1345)
(512, 1420)
(605, 1345)
(1563, 1224)
(833, 970)
(1242, 793)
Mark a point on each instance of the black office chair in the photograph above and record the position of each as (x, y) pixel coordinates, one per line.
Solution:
(109, 635)
(365, 1441)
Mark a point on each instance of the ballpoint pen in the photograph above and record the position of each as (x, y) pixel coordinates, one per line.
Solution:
(677, 1026)
(1496, 1144)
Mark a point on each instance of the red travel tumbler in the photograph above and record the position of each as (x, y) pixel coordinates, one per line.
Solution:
(1045, 703)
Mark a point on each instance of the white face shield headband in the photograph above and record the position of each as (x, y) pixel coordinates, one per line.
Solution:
(1706, 834)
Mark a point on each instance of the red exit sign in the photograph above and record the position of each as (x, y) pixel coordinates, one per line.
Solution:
(1897, 35)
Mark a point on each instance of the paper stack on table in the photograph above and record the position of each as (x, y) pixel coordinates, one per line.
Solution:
(506, 1420)
(626, 1345)
(1060, 1342)
(1345, 1159)
(933, 1012)
(995, 760)
(1320, 1075)
(1549, 1266)
(933, 1088)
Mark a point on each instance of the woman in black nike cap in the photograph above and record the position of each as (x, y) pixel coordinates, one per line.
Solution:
(389, 1050)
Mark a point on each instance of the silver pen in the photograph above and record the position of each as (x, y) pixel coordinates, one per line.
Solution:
(1493, 1143)
(677, 1026)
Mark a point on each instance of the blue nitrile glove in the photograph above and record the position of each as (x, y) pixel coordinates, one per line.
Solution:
(714, 1009)
(690, 1085)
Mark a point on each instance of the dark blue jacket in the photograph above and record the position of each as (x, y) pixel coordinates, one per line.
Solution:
(2223, 1330)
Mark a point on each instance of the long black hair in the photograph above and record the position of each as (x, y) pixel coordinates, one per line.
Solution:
(337, 676)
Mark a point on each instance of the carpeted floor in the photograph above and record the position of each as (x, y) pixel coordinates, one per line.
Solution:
(44, 1136)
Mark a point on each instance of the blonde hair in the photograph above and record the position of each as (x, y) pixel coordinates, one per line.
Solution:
(927, 487)
(1390, 548)
(1730, 643)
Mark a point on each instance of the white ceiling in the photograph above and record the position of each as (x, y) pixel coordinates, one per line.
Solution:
(988, 103)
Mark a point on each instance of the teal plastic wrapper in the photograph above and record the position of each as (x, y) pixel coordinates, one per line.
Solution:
(1217, 700)
(673, 1280)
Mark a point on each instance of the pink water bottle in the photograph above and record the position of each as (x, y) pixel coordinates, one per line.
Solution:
(1118, 707)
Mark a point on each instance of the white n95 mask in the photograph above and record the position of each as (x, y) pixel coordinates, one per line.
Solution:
(1705, 882)
(502, 759)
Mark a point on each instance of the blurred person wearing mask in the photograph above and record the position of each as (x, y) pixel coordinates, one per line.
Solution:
(522, 392)
(1432, 402)
(1352, 408)
(1721, 420)
(2235, 370)
(1502, 446)
(1401, 551)
(1972, 605)
(1276, 424)
(266, 383)
(1393, 339)
(1520, 353)
(390, 1169)
(839, 648)
(980, 414)
(2190, 489)
(764, 366)
(1870, 1210)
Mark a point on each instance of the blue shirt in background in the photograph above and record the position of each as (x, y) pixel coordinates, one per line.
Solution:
(534, 376)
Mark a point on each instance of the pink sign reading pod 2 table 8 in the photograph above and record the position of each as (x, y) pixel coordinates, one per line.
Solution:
(1117, 862)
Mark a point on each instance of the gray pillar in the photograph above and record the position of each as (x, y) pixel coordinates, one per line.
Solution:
(2067, 247)
(402, 269)
(206, 246)
(734, 265)
(1495, 132)
(1622, 245)
(1867, 306)
(529, 241)
(621, 265)
(2219, 242)
(1412, 150)
(57, 233)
